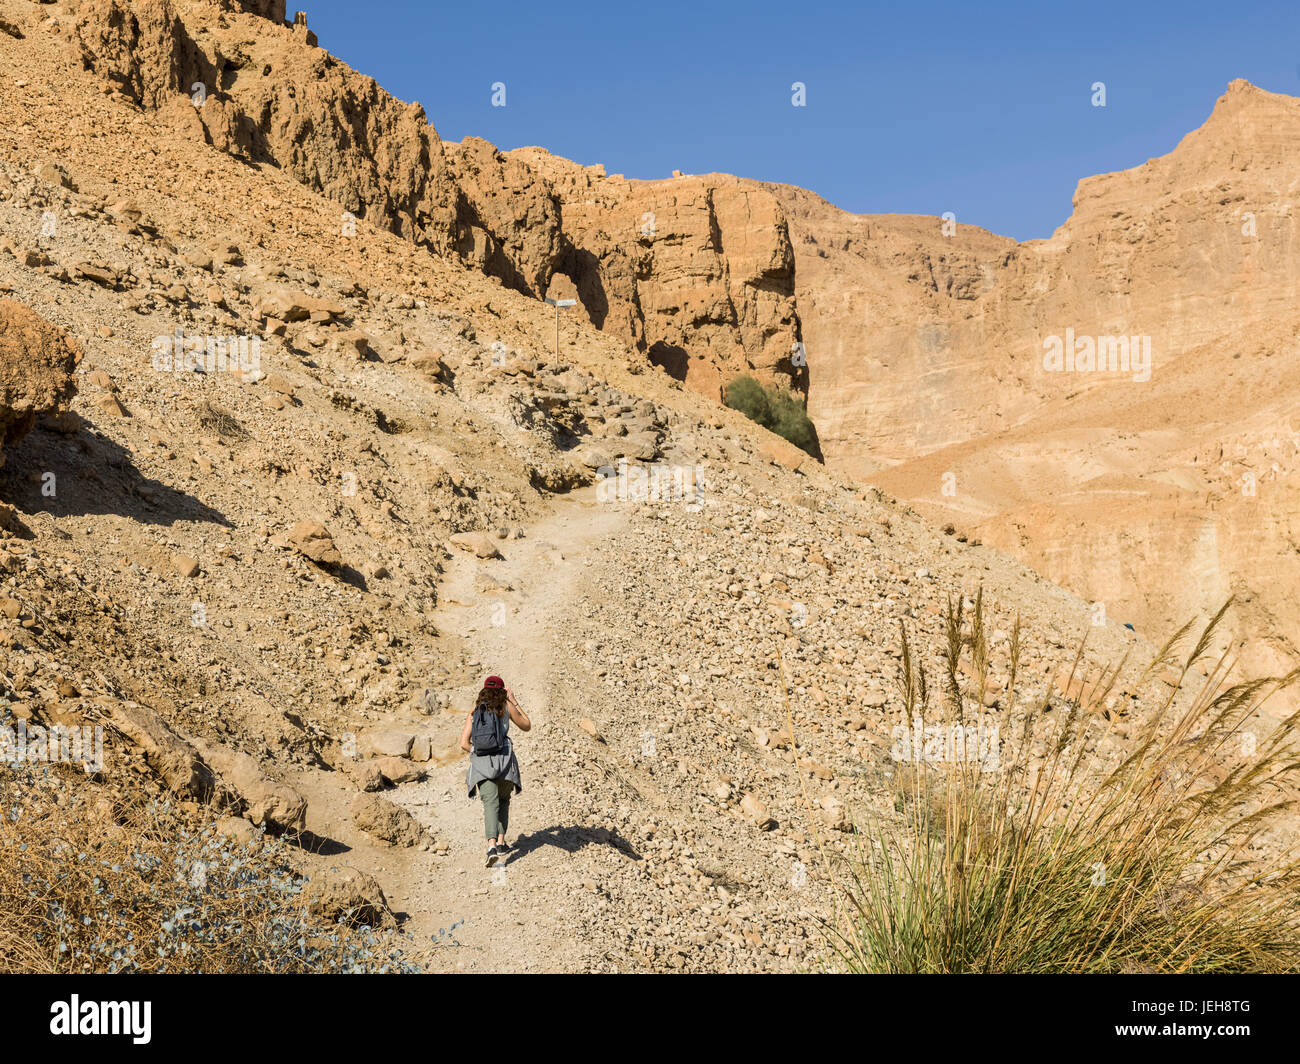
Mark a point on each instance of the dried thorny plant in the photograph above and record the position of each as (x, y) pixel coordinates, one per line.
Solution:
(217, 419)
(142, 887)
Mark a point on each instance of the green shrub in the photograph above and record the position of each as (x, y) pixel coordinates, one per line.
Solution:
(1061, 862)
(776, 410)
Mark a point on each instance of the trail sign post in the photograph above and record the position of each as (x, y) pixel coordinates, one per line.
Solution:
(557, 304)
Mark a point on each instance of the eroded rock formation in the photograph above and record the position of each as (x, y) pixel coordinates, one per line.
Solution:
(36, 363)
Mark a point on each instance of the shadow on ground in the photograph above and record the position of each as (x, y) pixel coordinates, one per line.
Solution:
(318, 844)
(91, 474)
(570, 839)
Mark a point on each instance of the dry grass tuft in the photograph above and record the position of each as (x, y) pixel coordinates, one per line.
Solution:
(1065, 860)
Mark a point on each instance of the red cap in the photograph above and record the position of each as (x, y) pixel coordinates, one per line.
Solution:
(493, 681)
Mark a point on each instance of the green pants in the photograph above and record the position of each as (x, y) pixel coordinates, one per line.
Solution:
(496, 806)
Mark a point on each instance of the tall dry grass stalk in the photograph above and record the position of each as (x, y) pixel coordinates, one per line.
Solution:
(1082, 852)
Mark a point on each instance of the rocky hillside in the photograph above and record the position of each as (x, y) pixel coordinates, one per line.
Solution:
(923, 337)
(1158, 489)
(318, 479)
(695, 273)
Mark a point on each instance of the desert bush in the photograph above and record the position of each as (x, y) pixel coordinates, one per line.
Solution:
(217, 419)
(145, 887)
(776, 410)
(1065, 860)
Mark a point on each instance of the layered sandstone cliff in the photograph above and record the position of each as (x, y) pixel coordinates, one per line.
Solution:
(697, 271)
(921, 333)
(1156, 490)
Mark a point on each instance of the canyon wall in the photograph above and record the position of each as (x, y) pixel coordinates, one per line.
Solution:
(1158, 491)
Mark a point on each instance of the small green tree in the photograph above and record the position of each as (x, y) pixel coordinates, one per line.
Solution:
(749, 397)
(777, 410)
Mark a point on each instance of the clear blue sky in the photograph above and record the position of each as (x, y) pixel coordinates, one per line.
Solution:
(979, 107)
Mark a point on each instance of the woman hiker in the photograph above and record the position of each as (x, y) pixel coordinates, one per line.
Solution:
(493, 767)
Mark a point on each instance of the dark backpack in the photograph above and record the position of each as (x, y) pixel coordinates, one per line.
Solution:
(488, 734)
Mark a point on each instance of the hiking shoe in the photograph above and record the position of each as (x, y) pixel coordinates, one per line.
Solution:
(504, 848)
(492, 855)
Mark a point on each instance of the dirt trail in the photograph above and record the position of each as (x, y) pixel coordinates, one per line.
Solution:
(515, 915)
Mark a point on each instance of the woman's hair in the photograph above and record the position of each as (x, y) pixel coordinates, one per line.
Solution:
(493, 698)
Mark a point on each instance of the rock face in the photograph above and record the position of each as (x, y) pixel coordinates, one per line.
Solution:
(142, 49)
(696, 273)
(1158, 491)
(36, 364)
(333, 129)
(508, 216)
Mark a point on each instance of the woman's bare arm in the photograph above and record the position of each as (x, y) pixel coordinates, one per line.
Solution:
(465, 732)
(517, 715)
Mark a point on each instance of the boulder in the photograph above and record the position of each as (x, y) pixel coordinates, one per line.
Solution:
(186, 566)
(365, 774)
(390, 743)
(313, 541)
(592, 457)
(278, 384)
(398, 770)
(835, 815)
(386, 821)
(54, 174)
(276, 805)
(37, 360)
(476, 543)
(786, 455)
(111, 405)
(239, 831)
(347, 895)
(285, 304)
(432, 364)
(176, 761)
(355, 342)
(642, 446)
(756, 812)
